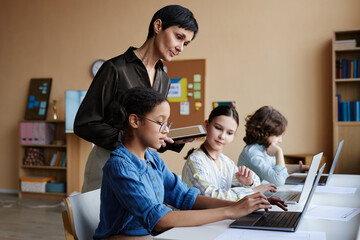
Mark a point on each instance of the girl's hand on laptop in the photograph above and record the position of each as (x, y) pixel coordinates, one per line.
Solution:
(244, 176)
(278, 202)
(303, 167)
(263, 188)
(247, 205)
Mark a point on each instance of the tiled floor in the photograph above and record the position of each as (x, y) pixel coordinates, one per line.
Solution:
(30, 218)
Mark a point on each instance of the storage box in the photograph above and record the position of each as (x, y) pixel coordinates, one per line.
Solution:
(55, 187)
(34, 184)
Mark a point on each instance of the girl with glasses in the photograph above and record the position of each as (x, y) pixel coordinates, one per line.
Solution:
(136, 182)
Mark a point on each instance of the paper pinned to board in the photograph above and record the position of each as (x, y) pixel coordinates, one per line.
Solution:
(242, 234)
(332, 213)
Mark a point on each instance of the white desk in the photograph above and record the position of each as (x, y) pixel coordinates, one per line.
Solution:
(333, 229)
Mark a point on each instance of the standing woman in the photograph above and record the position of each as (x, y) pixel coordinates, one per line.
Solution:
(171, 29)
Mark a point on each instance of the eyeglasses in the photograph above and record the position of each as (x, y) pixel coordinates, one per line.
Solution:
(163, 125)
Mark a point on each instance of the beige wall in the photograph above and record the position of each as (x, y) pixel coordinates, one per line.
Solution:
(267, 52)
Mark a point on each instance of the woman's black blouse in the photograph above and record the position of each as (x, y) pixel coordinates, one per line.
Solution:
(95, 120)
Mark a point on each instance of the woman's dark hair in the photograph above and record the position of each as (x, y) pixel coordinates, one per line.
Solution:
(218, 111)
(174, 15)
(265, 122)
(139, 101)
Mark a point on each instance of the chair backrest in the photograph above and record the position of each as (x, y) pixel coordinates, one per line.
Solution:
(84, 213)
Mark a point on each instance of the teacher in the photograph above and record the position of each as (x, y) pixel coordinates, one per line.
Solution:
(171, 29)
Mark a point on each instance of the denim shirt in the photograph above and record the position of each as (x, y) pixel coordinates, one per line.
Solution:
(134, 191)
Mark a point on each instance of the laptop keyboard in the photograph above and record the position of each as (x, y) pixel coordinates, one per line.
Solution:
(286, 196)
(278, 219)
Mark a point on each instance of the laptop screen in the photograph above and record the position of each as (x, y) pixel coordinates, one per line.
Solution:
(337, 154)
(311, 194)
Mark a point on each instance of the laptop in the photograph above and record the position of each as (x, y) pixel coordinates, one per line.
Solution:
(296, 179)
(276, 220)
(292, 197)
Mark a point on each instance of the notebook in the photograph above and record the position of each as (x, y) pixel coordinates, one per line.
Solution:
(293, 197)
(296, 179)
(277, 220)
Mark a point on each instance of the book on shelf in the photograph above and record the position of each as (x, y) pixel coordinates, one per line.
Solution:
(37, 133)
(26, 133)
(347, 68)
(57, 162)
(58, 159)
(53, 159)
(344, 44)
(65, 161)
(62, 160)
(355, 111)
(348, 111)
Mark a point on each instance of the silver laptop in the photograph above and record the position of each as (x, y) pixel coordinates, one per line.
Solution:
(295, 179)
(293, 197)
(276, 220)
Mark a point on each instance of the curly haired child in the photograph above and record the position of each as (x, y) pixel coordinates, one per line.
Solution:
(262, 153)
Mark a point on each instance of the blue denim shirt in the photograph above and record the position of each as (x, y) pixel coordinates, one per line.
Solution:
(134, 191)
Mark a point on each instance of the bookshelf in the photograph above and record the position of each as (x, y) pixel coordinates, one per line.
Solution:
(56, 142)
(71, 173)
(346, 84)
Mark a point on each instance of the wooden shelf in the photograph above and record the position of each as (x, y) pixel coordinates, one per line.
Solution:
(45, 195)
(47, 151)
(344, 124)
(45, 146)
(47, 121)
(348, 49)
(45, 167)
(77, 151)
(349, 89)
(340, 80)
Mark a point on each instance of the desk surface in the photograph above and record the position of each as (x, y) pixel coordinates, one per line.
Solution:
(333, 229)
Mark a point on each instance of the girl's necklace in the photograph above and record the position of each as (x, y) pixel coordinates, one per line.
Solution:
(206, 152)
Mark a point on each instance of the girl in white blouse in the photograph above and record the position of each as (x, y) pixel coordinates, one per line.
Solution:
(213, 173)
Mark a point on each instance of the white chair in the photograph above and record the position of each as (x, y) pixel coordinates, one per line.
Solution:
(82, 215)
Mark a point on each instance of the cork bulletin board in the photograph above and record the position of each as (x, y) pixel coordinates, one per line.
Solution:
(187, 91)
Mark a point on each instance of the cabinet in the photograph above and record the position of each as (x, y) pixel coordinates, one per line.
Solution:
(72, 174)
(57, 143)
(346, 84)
(306, 158)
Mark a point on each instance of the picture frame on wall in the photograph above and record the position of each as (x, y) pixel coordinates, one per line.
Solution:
(38, 99)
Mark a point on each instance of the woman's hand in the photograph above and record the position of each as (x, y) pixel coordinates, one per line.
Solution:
(263, 188)
(187, 140)
(244, 176)
(278, 202)
(303, 167)
(247, 205)
(171, 141)
(167, 139)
